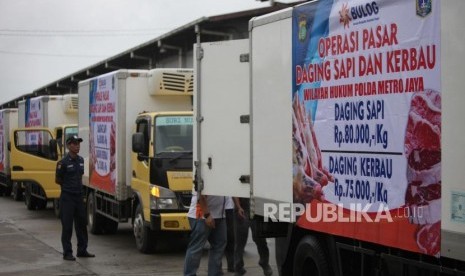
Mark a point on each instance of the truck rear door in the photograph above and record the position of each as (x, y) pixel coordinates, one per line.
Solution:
(221, 140)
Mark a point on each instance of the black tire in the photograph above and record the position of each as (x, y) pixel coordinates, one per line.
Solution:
(2, 190)
(145, 238)
(17, 191)
(310, 258)
(110, 227)
(29, 200)
(41, 203)
(7, 191)
(56, 207)
(95, 221)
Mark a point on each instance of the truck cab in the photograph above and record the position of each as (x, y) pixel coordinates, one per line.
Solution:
(162, 174)
(34, 154)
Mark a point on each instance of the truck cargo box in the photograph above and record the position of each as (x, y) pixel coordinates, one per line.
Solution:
(8, 121)
(353, 106)
(48, 111)
(108, 107)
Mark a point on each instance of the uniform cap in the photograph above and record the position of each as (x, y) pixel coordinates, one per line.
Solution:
(73, 139)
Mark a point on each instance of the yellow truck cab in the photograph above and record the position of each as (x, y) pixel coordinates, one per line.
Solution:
(34, 155)
(162, 174)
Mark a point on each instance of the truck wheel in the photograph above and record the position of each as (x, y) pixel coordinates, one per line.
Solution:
(29, 200)
(41, 203)
(310, 258)
(56, 207)
(2, 190)
(145, 238)
(17, 191)
(94, 220)
(110, 226)
(7, 191)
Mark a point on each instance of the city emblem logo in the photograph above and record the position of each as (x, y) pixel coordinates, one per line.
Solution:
(424, 7)
(302, 28)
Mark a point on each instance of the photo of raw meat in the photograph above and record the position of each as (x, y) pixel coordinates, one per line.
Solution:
(423, 152)
(309, 175)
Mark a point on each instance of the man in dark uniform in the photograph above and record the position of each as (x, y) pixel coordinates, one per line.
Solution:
(242, 223)
(72, 209)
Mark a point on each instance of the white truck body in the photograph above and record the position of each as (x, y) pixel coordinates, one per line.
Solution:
(224, 147)
(108, 107)
(8, 121)
(48, 111)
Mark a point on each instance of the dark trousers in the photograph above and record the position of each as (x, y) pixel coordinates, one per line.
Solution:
(72, 209)
(241, 231)
(229, 250)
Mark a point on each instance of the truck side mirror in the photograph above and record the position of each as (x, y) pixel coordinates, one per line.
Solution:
(8, 145)
(138, 145)
(53, 149)
(138, 142)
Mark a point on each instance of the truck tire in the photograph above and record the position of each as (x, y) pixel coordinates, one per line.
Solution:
(17, 191)
(56, 207)
(94, 220)
(7, 191)
(29, 200)
(145, 238)
(41, 203)
(110, 226)
(310, 258)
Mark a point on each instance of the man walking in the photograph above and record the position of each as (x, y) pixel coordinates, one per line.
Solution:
(241, 227)
(207, 220)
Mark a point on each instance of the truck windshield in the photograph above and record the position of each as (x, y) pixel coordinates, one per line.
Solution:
(173, 134)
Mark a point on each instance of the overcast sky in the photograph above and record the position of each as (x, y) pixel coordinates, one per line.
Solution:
(42, 41)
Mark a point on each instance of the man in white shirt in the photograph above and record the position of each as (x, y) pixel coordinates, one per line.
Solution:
(207, 221)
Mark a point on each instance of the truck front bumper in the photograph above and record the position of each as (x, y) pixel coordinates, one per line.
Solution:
(169, 222)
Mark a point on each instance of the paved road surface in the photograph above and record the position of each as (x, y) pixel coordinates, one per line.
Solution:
(30, 245)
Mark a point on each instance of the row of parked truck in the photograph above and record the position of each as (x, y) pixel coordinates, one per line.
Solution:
(340, 120)
(137, 126)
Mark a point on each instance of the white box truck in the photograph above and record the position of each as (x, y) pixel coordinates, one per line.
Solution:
(33, 158)
(341, 120)
(137, 131)
(8, 121)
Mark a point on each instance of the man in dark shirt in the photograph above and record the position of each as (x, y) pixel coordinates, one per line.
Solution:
(242, 223)
(72, 209)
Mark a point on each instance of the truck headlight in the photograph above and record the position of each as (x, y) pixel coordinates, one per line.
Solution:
(162, 198)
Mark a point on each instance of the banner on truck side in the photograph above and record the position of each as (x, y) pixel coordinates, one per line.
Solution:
(2, 141)
(102, 133)
(34, 118)
(367, 120)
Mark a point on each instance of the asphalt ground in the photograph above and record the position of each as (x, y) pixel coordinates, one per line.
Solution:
(30, 245)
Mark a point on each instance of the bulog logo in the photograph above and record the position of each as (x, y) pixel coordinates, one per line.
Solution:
(359, 12)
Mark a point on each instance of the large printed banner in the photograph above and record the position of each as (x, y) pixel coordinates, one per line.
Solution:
(367, 120)
(2, 142)
(102, 133)
(34, 118)
(34, 112)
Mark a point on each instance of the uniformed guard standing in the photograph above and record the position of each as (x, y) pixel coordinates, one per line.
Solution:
(72, 209)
